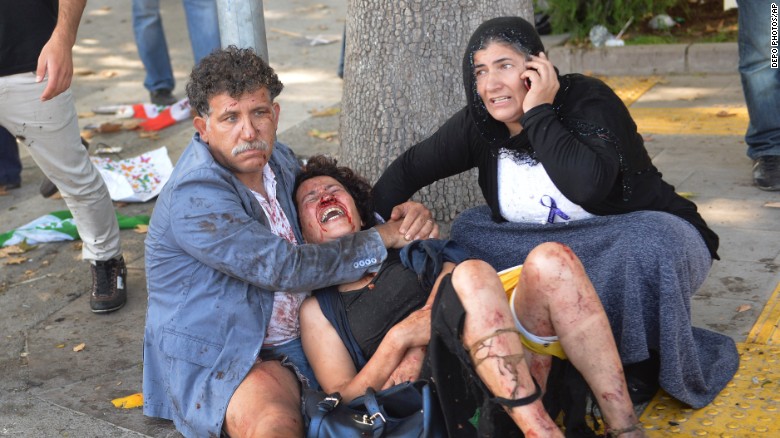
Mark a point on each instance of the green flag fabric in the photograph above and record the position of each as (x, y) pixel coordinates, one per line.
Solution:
(58, 226)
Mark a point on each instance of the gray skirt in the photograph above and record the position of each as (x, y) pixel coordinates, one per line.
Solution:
(645, 267)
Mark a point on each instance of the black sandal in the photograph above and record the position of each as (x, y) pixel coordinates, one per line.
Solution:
(513, 403)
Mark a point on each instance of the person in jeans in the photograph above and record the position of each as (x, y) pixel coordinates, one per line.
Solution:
(761, 85)
(10, 166)
(203, 28)
(36, 40)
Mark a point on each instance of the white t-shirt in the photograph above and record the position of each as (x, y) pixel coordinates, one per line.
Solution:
(527, 194)
(284, 325)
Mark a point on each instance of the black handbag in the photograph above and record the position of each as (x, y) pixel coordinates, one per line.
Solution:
(406, 410)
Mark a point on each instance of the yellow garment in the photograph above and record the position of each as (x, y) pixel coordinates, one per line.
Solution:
(510, 278)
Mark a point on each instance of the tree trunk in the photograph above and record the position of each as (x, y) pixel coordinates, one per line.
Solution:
(403, 79)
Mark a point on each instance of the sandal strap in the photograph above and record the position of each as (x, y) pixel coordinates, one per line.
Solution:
(513, 403)
(614, 433)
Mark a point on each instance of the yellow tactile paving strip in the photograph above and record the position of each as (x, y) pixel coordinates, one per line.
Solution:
(691, 121)
(765, 330)
(676, 121)
(630, 88)
(749, 406)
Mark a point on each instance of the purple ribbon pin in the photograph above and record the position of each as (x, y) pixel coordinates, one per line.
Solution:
(554, 210)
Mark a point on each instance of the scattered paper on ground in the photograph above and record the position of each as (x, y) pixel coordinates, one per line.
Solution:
(137, 179)
(131, 401)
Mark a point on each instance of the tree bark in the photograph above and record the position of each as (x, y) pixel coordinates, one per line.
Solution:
(403, 79)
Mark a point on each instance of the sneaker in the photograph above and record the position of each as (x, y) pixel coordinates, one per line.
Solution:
(162, 97)
(766, 172)
(108, 285)
(48, 189)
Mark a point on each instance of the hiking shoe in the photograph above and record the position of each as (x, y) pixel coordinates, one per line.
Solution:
(48, 189)
(766, 172)
(162, 97)
(108, 285)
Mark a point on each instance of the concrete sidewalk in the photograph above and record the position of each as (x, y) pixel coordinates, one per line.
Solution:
(48, 389)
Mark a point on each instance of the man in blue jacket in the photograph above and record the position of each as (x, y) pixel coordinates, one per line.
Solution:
(227, 267)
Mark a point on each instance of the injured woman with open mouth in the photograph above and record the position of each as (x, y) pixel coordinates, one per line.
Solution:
(429, 312)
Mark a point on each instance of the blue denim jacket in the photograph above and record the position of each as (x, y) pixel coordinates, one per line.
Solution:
(212, 264)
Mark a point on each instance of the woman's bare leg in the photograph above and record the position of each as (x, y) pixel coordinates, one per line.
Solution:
(265, 404)
(498, 356)
(556, 298)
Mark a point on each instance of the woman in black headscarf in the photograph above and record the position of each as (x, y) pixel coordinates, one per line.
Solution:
(560, 159)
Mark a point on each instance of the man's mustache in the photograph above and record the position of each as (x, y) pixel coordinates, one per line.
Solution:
(257, 145)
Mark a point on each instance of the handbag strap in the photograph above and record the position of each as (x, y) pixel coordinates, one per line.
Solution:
(324, 407)
(376, 417)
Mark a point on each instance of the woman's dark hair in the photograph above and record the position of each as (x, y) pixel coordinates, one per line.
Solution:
(356, 185)
(233, 71)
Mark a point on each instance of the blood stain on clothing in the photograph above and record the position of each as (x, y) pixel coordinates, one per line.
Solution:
(207, 226)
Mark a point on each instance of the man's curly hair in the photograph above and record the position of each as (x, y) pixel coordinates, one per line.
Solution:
(233, 71)
(357, 186)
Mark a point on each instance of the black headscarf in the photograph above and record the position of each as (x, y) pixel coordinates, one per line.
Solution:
(513, 30)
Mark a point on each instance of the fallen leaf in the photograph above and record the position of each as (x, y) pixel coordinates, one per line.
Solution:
(323, 135)
(87, 134)
(725, 113)
(15, 260)
(151, 135)
(29, 273)
(772, 204)
(60, 345)
(332, 111)
(25, 247)
(79, 347)
(20, 248)
(77, 245)
(130, 124)
(107, 127)
(141, 228)
(744, 308)
(108, 73)
(686, 195)
(131, 401)
(83, 72)
(86, 114)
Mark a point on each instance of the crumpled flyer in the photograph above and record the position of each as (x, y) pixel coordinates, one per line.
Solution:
(137, 179)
